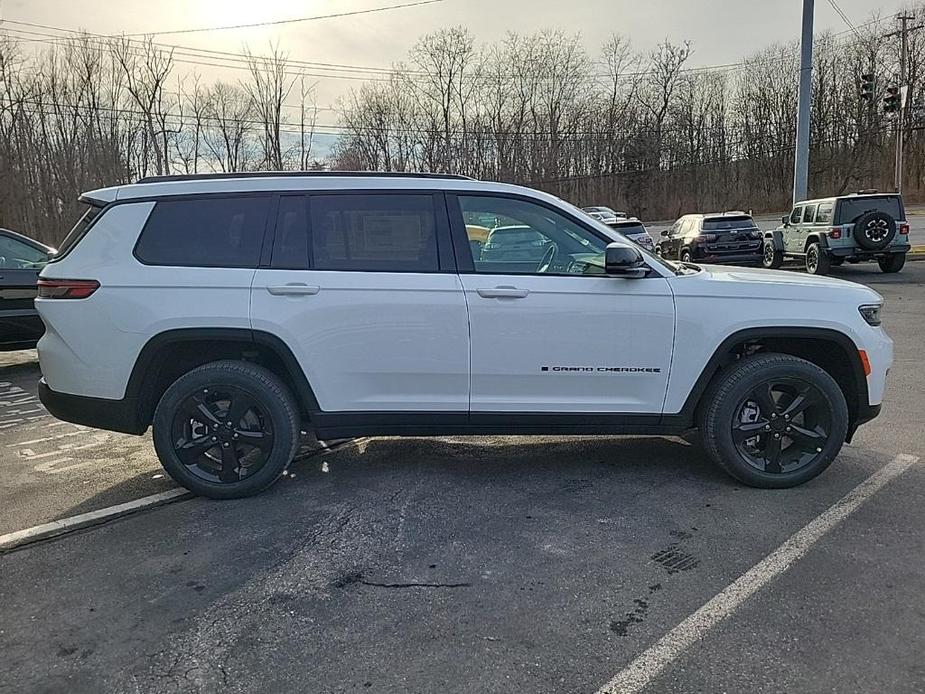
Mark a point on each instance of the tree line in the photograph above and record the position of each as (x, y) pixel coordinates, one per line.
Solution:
(644, 131)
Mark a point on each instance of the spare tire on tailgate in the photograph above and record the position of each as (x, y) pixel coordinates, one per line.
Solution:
(874, 230)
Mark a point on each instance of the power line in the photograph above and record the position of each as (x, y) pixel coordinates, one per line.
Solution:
(845, 18)
(289, 21)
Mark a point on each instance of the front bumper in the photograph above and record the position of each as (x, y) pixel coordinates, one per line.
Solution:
(99, 413)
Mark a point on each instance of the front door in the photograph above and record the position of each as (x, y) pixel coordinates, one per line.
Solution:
(549, 331)
(793, 236)
(363, 290)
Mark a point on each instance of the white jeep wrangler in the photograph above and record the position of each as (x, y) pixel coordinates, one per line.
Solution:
(231, 311)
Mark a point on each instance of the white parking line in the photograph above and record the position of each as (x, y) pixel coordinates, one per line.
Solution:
(645, 667)
(46, 530)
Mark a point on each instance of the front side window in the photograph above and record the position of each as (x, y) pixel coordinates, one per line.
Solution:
(204, 232)
(796, 215)
(809, 214)
(367, 232)
(528, 238)
(16, 255)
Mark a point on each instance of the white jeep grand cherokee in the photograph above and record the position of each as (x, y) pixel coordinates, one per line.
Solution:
(229, 311)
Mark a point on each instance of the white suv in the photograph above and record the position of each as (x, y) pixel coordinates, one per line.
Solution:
(229, 311)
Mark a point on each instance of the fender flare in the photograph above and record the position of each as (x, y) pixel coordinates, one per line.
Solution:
(821, 239)
(776, 237)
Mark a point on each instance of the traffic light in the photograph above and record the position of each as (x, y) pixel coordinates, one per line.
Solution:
(891, 100)
(867, 86)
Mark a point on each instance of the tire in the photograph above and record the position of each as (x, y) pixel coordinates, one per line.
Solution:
(771, 257)
(191, 421)
(728, 401)
(686, 256)
(874, 230)
(892, 263)
(817, 260)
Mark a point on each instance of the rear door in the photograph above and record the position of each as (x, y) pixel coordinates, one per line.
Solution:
(362, 287)
(20, 264)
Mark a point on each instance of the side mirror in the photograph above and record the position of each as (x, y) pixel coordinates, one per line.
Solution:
(665, 232)
(624, 261)
(785, 220)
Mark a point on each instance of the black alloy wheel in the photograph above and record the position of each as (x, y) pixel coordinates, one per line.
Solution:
(222, 434)
(782, 425)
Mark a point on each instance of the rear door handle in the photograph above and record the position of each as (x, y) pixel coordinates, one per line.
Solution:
(502, 293)
(293, 289)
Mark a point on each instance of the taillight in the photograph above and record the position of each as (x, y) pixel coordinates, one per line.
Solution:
(756, 234)
(903, 228)
(67, 289)
(835, 233)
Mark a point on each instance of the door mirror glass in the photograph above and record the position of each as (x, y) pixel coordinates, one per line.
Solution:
(624, 261)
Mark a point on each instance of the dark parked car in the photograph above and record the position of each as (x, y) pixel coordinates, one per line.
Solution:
(21, 259)
(725, 237)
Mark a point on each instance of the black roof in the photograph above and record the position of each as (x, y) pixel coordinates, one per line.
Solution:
(299, 174)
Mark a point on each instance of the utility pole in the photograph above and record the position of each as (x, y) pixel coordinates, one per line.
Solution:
(801, 158)
(903, 93)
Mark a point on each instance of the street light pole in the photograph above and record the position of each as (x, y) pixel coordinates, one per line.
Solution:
(801, 158)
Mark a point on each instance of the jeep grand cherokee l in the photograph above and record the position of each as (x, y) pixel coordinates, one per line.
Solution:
(230, 311)
(725, 237)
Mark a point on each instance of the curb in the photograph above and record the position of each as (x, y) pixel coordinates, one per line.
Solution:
(19, 538)
(916, 253)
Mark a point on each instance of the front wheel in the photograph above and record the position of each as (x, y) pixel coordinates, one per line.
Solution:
(817, 260)
(892, 263)
(774, 420)
(226, 429)
(772, 258)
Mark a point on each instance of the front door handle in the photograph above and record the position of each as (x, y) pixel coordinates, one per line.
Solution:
(504, 292)
(293, 289)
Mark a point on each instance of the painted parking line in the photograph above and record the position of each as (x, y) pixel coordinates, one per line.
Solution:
(83, 520)
(645, 667)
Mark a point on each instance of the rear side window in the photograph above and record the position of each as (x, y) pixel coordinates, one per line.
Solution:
(391, 233)
(809, 214)
(204, 232)
(824, 213)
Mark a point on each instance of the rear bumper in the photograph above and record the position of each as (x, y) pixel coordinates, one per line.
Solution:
(705, 256)
(852, 252)
(100, 413)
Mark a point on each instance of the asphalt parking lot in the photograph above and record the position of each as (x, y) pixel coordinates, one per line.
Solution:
(494, 564)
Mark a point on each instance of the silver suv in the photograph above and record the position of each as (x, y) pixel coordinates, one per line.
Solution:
(829, 231)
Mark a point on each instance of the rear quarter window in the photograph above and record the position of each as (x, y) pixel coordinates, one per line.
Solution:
(204, 232)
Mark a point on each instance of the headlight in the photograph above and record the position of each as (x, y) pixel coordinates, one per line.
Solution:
(870, 313)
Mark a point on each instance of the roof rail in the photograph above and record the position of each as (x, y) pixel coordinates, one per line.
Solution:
(298, 174)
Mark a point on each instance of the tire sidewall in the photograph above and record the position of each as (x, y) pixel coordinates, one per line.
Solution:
(726, 410)
(285, 440)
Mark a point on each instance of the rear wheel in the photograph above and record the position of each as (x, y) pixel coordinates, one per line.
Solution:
(774, 420)
(226, 429)
(686, 256)
(772, 258)
(892, 263)
(817, 260)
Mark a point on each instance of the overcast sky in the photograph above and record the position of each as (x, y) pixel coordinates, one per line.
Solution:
(721, 31)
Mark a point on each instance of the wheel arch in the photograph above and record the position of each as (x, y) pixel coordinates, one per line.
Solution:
(170, 354)
(776, 236)
(815, 237)
(833, 351)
